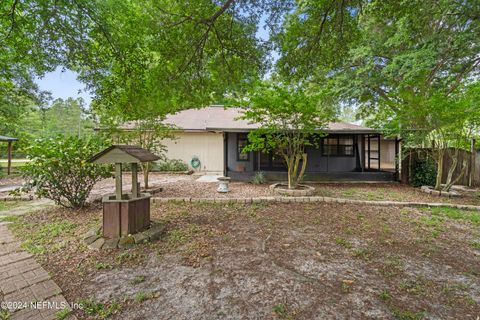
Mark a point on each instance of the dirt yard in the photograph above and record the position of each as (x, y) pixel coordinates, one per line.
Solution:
(270, 261)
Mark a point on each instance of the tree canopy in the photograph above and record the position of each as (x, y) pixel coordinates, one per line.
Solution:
(408, 67)
(391, 56)
(289, 119)
(138, 57)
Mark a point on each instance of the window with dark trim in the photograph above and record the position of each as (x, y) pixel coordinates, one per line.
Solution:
(242, 142)
(338, 146)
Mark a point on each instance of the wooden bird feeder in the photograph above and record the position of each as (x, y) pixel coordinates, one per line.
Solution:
(125, 213)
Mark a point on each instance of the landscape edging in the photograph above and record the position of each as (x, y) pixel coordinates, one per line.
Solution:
(317, 199)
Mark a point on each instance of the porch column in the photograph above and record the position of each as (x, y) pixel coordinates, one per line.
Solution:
(378, 153)
(225, 154)
(369, 151)
(362, 156)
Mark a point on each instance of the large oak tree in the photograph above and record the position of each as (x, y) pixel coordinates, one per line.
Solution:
(395, 60)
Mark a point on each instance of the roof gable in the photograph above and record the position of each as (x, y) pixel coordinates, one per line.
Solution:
(124, 154)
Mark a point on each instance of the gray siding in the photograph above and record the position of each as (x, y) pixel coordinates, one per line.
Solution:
(232, 162)
(318, 163)
(315, 163)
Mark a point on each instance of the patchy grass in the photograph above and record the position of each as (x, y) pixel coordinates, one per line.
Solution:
(475, 245)
(362, 253)
(9, 218)
(130, 257)
(92, 307)
(47, 237)
(143, 296)
(385, 295)
(282, 311)
(5, 314)
(279, 260)
(408, 315)
(103, 266)
(63, 314)
(7, 205)
(137, 280)
(343, 242)
(457, 214)
(387, 192)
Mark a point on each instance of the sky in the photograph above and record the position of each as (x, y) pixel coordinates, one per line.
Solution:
(64, 84)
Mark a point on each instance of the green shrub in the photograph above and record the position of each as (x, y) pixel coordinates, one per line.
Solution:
(59, 169)
(171, 165)
(424, 173)
(259, 178)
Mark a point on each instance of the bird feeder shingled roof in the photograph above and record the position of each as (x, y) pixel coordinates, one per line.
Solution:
(124, 154)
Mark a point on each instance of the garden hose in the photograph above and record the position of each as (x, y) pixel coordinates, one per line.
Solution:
(195, 162)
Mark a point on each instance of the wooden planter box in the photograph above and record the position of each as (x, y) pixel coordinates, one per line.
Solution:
(126, 216)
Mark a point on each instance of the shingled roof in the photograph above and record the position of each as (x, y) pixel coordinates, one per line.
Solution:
(218, 118)
(119, 153)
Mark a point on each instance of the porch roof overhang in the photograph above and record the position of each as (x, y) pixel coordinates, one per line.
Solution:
(331, 131)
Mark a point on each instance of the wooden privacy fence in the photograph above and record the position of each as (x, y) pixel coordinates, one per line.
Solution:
(471, 177)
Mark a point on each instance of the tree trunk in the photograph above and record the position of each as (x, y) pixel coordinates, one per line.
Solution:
(448, 185)
(293, 163)
(451, 170)
(438, 183)
(304, 166)
(290, 164)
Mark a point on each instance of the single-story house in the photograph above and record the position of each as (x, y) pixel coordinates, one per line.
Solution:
(213, 137)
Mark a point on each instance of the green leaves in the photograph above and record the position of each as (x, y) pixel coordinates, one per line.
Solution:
(393, 55)
(59, 169)
(289, 119)
(160, 56)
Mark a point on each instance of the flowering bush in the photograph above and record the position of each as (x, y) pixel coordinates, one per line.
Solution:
(59, 169)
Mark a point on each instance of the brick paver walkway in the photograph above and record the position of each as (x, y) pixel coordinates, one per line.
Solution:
(26, 289)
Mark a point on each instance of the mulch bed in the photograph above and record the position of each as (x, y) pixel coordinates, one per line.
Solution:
(183, 185)
(280, 261)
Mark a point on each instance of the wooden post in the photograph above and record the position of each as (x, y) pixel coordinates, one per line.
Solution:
(9, 158)
(134, 180)
(473, 156)
(397, 159)
(118, 181)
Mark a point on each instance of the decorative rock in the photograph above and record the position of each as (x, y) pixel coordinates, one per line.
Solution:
(97, 244)
(337, 200)
(155, 231)
(280, 189)
(141, 237)
(450, 194)
(91, 239)
(223, 184)
(126, 242)
(111, 243)
(90, 233)
(95, 241)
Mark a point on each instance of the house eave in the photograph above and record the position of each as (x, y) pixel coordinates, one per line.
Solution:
(363, 131)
